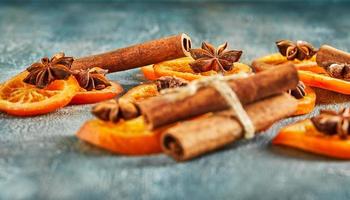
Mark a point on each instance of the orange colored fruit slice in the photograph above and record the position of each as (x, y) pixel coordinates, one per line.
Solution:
(277, 59)
(325, 82)
(22, 99)
(307, 103)
(94, 96)
(148, 72)
(125, 137)
(140, 92)
(181, 68)
(303, 135)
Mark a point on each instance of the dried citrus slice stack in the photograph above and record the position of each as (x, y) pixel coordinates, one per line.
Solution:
(22, 99)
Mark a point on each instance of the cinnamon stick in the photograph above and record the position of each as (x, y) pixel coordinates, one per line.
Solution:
(259, 66)
(138, 55)
(328, 55)
(166, 109)
(196, 137)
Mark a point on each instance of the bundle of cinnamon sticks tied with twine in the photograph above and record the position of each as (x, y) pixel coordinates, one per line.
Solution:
(206, 117)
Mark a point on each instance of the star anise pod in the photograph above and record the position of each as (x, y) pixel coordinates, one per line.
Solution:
(333, 123)
(107, 111)
(299, 91)
(43, 73)
(300, 50)
(94, 78)
(114, 110)
(165, 82)
(341, 71)
(208, 58)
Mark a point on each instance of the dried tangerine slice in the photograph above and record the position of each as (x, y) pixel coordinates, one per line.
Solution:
(125, 137)
(181, 68)
(148, 72)
(140, 92)
(94, 96)
(304, 136)
(22, 99)
(271, 60)
(307, 103)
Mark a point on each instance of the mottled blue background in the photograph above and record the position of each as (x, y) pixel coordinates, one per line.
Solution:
(40, 158)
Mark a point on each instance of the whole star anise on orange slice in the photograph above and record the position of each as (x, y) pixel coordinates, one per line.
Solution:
(300, 50)
(331, 122)
(92, 79)
(208, 58)
(48, 70)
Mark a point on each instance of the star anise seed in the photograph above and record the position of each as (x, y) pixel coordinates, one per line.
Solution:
(300, 50)
(43, 73)
(208, 58)
(91, 79)
(333, 123)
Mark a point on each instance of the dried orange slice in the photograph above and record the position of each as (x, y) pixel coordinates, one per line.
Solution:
(125, 137)
(325, 82)
(22, 99)
(140, 92)
(303, 135)
(148, 72)
(94, 96)
(277, 58)
(307, 103)
(130, 137)
(181, 68)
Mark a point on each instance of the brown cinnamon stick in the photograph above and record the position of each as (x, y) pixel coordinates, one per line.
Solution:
(259, 66)
(138, 55)
(166, 109)
(328, 55)
(196, 137)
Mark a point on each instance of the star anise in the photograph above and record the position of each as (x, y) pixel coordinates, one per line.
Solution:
(208, 58)
(43, 73)
(107, 111)
(341, 71)
(114, 110)
(94, 78)
(165, 82)
(300, 50)
(333, 123)
(299, 91)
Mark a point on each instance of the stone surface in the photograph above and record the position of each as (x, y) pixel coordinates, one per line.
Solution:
(40, 158)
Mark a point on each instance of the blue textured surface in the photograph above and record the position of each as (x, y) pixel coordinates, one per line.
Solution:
(40, 158)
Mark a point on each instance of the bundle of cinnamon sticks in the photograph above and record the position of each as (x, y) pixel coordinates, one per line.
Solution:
(262, 94)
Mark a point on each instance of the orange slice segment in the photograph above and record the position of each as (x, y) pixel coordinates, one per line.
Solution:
(22, 99)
